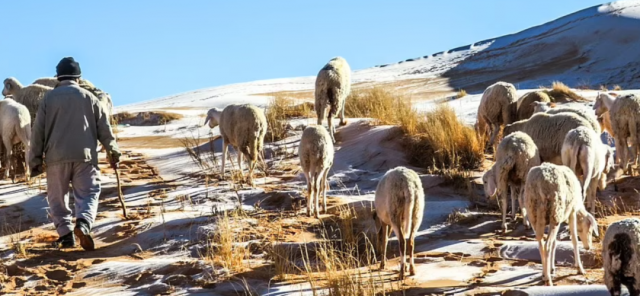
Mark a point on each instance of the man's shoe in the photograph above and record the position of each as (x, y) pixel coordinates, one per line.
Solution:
(65, 241)
(83, 232)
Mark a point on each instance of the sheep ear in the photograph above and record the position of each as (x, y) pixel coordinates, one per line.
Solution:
(206, 121)
(593, 224)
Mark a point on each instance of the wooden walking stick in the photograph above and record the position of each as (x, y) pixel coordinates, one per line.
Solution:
(124, 206)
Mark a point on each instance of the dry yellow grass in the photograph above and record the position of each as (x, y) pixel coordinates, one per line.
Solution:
(560, 92)
(461, 93)
(226, 248)
(280, 109)
(145, 118)
(436, 139)
(617, 87)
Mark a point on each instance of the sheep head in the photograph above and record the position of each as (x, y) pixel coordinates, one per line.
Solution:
(541, 106)
(490, 185)
(213, 117)
(600, 105)
(587, 227)
(11, 86)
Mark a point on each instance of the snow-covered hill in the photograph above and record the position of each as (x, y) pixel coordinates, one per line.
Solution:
(596, 46)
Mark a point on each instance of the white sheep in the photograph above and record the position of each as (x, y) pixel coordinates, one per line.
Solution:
(242, 126)
(552, 108)
(316, 157)
(47, 81)
(15, 127)
(30, 96)
(625, 118)
(516, 154)
(548, 132)
(591, 160)
(552, 196)
(620, 254)
(399, 204)
(333, 85)
(498, 107)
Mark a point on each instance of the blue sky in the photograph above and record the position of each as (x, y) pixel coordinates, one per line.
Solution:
(142, 50)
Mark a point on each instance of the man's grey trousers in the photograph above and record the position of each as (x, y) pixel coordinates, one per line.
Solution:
(85, 179)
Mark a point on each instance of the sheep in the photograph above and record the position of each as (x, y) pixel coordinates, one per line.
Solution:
(620, 251)
(15, 127)
(548, 132)
(399, 204)
(29, 96)
(47, 81)
(242, 126)
(552, 108)
(333, 85)
(316, 157)
(497, 107)
(516, 154)
(590, 159)
(525, 104)
(552, 196)
(625, 117)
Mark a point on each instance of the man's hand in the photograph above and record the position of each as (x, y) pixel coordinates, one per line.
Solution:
(114, 158)
(36, 171)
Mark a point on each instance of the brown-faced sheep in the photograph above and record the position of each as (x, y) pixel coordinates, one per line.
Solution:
(15, 127)
(30, 96)
(242, 126)
(525, 103)
(333, 85)
(591, 160)
(548, 132)
(516, 154)
(316, 158)
(620, 256)
(399, 204)
(625, 118)
(552, 196)
(497, 108)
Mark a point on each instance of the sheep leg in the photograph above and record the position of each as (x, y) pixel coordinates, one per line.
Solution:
(543, 257)
(343, 122)
(616, 290)
(412, 267)
(525, 218)
(240, 165)
(317, 187)
(495, 129)
(591, 196)
(8, 153)
(573, 227)
(225, 150)
(553, 233)
(385, 240)
(632, 289)
(332, 129)
(403, 250)
(503, 200)
(320, 112)
(306, 175)
(325, 185)
(514, 209)
(252, 167)
(621, 152)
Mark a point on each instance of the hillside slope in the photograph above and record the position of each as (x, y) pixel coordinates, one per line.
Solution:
(596, 46)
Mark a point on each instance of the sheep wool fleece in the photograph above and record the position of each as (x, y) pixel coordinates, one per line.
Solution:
(85, 179)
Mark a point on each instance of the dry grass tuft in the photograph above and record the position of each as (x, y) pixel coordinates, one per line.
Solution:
(278, 111)
(436, 139)
(384, 106)
(227, 244)
(617, 88)
(440, 141)
(461, 93)
(145, 118)
(560, 92)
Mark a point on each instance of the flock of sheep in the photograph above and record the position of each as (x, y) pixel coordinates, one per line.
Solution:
(18, 111)
(553, 161)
